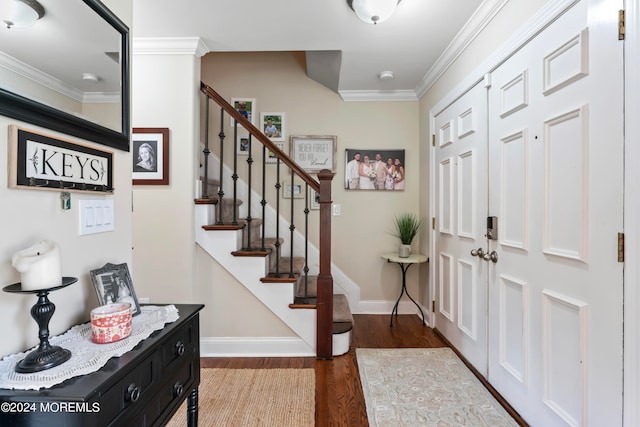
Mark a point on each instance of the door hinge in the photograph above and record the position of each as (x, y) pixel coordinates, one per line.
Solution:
(433, 306)
(621, 24)
(433, 140)
(620, 247)
(433, 223)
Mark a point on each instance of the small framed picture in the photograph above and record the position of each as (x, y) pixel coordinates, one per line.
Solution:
(314, 199)
(113, 284)
(314, 153)
(242, 144)
(246, 107)
(150, 147)
(271, 157)
(294, 190)
(272, 125)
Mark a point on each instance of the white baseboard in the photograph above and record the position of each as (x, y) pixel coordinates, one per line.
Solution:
(385, 307)
(293, 346)
(266, 347)
(254, 347)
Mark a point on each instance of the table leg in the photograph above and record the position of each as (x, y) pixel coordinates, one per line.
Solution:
(404, 269)
(192, 408)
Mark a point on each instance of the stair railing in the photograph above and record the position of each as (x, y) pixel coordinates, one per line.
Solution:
(324, 301)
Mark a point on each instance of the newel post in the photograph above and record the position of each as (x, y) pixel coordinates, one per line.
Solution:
(324, 306)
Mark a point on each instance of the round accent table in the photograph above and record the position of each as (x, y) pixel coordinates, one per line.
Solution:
(404, 264)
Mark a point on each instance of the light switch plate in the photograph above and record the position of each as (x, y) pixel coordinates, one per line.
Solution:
(96, 216)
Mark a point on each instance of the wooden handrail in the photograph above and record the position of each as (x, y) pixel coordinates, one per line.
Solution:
(264, 140)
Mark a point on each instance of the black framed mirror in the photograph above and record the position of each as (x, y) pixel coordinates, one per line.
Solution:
(69, 72)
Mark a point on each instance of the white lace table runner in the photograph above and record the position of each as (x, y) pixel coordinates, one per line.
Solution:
(86, 356)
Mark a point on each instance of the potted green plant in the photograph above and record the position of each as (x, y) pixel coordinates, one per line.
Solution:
(407, 226)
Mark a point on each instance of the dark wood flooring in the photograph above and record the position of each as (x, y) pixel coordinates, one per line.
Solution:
(339, 398)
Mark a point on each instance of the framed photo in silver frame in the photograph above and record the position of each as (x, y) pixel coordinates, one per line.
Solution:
(113, 284)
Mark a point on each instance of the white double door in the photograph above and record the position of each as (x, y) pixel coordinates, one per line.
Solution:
(538, 145)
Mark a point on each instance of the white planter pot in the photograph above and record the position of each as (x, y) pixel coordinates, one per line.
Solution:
(404, 251)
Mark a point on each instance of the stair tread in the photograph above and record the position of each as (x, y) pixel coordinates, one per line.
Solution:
(256, 248)
(223, 227)
(283, 277)
(269, 244)
(203, 201)
(342, 317)
(251, 253)
(240, 223)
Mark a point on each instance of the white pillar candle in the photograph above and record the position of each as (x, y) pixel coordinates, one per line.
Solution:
(39, 265)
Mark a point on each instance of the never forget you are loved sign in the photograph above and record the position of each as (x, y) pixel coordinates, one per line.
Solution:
(44, 162)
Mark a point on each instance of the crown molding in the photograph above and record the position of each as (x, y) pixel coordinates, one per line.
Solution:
(538, 22)
(378, 95)
(169, 46)
(474, 26)
(101, 97)
(27, 71)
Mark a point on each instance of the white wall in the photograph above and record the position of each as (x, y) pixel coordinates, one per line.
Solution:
(27, 216)
(165, 93)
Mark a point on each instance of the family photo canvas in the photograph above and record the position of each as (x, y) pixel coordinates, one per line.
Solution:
(370, 169)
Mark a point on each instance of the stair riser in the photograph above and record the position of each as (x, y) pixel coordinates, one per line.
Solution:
(252, 233)
(228, 210)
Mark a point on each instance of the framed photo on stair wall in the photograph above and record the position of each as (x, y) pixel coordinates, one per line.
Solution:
(314, 153)
(295, 190)
(271, 156)
(314, 200)
(242, 144)
(272, 125)
(374, 169)
(150, 147)
(246, 107)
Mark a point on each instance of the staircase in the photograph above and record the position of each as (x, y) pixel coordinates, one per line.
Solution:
(266, 251)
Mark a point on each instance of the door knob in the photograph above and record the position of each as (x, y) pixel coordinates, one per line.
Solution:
(493, 256)
(478, 252)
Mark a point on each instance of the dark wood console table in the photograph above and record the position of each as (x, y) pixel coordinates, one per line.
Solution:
(143, 387)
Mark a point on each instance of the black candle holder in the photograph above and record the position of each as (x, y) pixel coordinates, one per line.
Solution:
(45, 356)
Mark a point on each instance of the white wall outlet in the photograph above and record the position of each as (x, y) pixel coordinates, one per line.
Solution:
(336, 209)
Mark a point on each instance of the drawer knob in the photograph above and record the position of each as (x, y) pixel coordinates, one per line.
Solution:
(178, 389)
(180, 348)
(133, 393)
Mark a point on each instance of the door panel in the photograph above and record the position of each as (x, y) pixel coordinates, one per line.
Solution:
(555, 182)
(461, 187)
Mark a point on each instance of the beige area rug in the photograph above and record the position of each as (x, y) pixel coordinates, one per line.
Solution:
(253, 397)
(425, 387)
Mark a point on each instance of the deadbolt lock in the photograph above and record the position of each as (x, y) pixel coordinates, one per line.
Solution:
(492, 227)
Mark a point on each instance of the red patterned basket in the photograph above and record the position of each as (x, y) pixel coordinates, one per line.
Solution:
(110, 323)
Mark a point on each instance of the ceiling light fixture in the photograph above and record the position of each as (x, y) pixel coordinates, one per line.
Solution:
(373, 11)
(385, 75)
(20, 13)
(90, 77)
